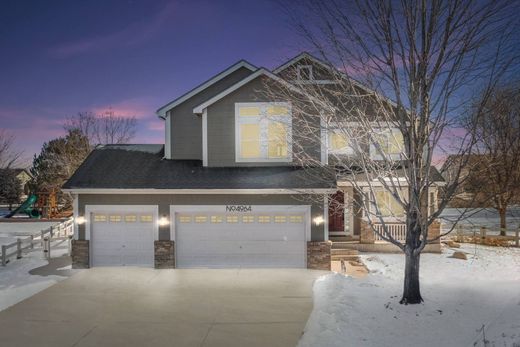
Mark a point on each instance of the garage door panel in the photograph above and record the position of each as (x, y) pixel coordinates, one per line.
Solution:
(122, 238)
(266, 239)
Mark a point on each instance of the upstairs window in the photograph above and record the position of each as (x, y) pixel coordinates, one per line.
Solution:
(338, 142)
(387, 144)
(263, 132)
(304, 73)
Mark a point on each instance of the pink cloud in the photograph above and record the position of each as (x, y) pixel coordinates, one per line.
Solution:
(141, 108)
(129, 36)
(156, 125)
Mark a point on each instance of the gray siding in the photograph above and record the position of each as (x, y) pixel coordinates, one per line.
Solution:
(165, 200)
(186, 127)
(221, 126)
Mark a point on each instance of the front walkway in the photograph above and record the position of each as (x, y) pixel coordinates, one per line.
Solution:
(146, 307)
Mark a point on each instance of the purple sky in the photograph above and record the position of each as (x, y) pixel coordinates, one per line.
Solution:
(58, 58)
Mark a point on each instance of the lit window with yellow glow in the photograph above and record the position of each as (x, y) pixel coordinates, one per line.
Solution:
(389, 142)
(280, 219)
(232, 219)
(130, 218)
(264, 219)
(248, 219)
(338, 142)
(115, 218)
(387, 205)
(146, 218)
(295, 219)
(263, 131)
(184, 219)
(201, 219)
(216, 219)
(100, 218)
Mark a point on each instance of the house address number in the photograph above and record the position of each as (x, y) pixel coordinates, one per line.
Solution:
(238, 208)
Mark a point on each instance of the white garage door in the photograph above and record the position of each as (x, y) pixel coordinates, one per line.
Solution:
(224, 240)
(120, 238)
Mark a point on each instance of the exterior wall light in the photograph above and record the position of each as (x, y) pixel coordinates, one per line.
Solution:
(318, 220)
(163, 221)
(80, 220)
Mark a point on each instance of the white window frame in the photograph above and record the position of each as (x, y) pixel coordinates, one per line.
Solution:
(264, 140)
(299, 69)
(374, 154)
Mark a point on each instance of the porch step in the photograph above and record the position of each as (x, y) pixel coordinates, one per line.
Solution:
(344, 245)
(345, 251)
(353, 258)
(343, 238)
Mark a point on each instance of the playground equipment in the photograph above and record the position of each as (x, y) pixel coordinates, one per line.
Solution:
(47, 203)
(43, 204)
(27, 208)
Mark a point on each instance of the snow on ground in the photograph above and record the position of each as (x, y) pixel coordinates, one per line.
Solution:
(460, 297)
(16, 281)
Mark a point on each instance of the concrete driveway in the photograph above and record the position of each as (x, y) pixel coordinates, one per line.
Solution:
(147, 307)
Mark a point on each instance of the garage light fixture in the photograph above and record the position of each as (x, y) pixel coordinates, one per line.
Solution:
(80, 220)
(318, 220)
(163, 221)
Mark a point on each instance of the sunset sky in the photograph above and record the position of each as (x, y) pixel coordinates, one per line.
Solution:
(58, 58)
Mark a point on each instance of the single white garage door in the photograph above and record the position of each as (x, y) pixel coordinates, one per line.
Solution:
(275, 238)
(122, 238)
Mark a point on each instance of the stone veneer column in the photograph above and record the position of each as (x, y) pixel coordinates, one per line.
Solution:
(366, 233)
(434, 230)
(80, 254)
(318, 255)
(164, 254)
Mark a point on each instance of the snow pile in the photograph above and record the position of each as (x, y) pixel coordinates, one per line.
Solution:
(17, 284)
(466, 302)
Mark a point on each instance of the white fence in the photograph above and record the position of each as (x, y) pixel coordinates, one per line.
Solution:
(396, 230)
(482, 234)
(62, 232)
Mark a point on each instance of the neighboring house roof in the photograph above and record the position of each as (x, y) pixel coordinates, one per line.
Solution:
(260, 72)
(18, 171)
(142, 167)
(161, 112)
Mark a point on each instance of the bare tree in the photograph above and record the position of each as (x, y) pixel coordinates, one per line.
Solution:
(399, 75)
(495, 179)
(8, 154)
(104, 128)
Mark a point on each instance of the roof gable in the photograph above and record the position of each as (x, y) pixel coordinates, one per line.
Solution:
(161, 112)
(260, 72)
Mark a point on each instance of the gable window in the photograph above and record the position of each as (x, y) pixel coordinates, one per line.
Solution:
(263, 132)
(389, 142)
(304, 73)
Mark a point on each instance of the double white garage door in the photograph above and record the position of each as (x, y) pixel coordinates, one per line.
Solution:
(265, 236)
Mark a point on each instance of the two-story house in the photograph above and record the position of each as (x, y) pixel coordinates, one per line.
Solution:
(223, 191)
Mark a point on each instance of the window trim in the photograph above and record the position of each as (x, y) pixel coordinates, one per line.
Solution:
(262, 105)
(299, 69)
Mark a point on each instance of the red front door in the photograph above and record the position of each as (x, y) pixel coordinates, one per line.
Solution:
(336, 213)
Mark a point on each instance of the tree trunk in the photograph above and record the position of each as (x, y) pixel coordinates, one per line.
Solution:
(503, 224)
(411, 291)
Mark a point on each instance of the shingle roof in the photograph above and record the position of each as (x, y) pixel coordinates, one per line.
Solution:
(143, 167)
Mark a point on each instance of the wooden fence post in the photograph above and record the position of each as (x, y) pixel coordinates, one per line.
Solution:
(18, 248)
(482, 232)
(4, 255)
(32, 240)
